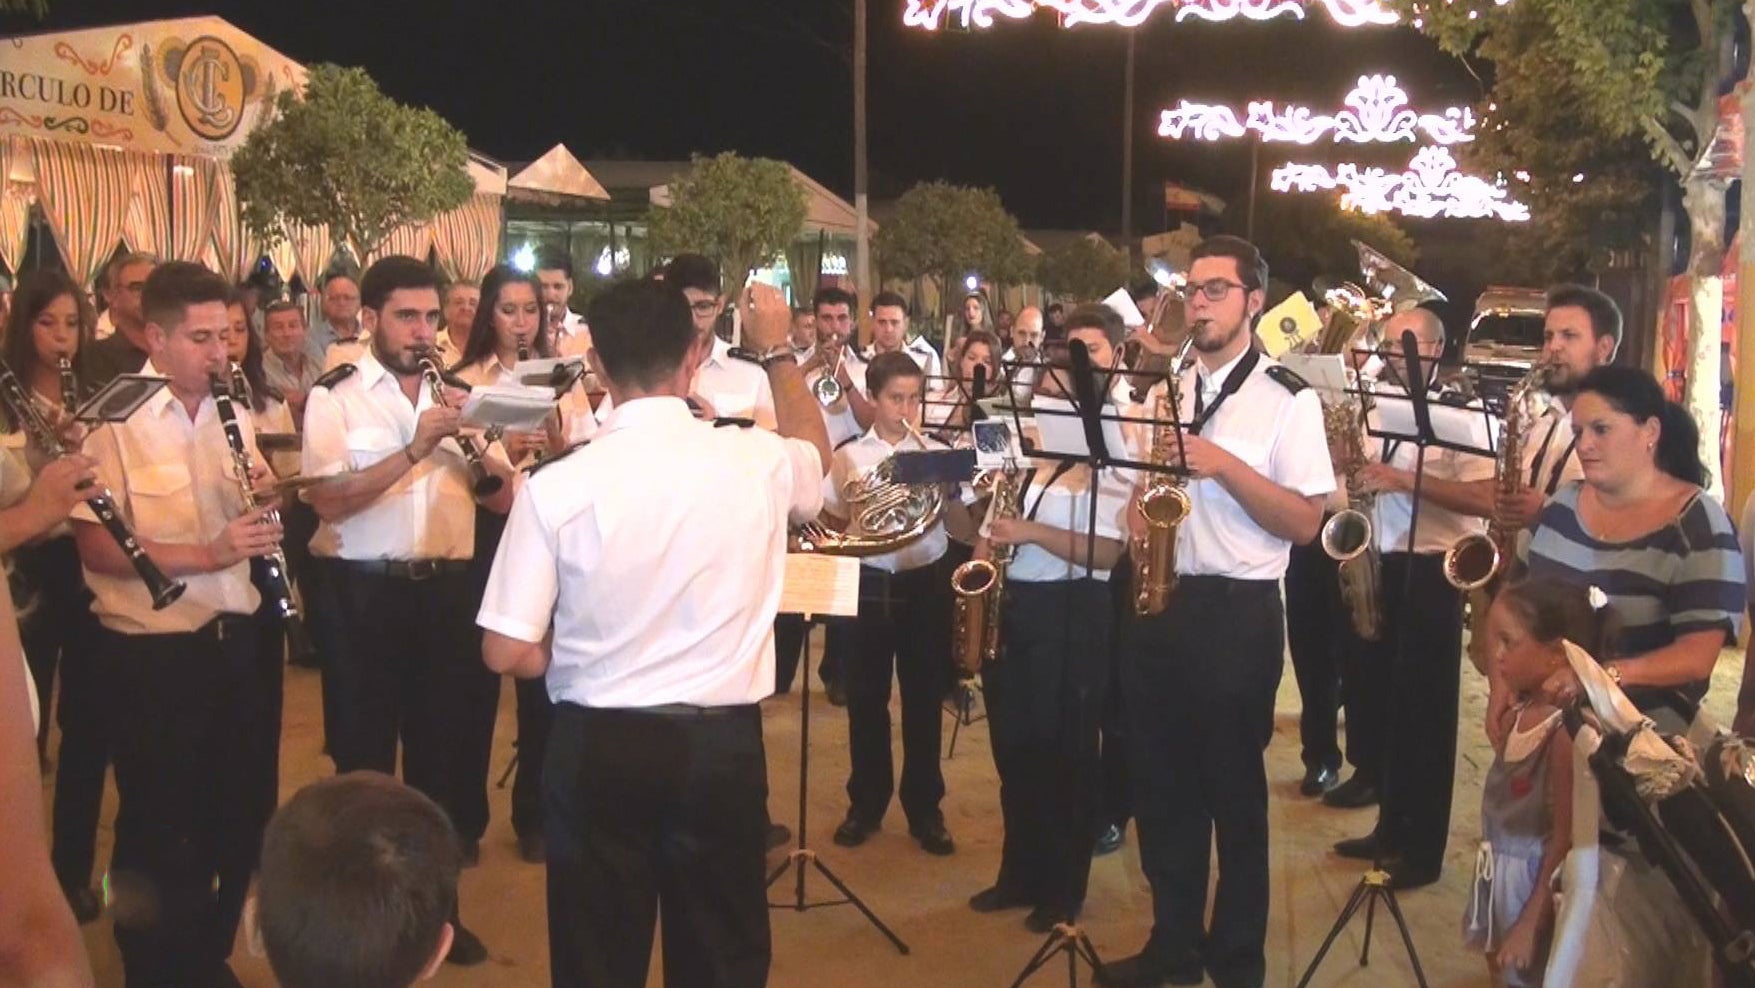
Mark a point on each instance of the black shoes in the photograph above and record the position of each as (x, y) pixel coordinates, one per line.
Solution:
(1318, 781)
(779, 835)
(84, 902)
(1403, 875)
(1141, 971)
(467, 949)
(533, 849)
(1352, 794)
(836, 691)
(1109, 841)
(854, 830)
(997, 899)
(933, 838)
(1363, 848)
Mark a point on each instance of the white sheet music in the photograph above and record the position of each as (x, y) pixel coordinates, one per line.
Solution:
(820, 586)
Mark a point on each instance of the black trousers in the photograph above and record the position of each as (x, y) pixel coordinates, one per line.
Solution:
(1420, 664)
(195, 735)
(326, 621)
(1044, 706)
(903, 632)
(536, 714)
(1317, 635)
(59, 633)
(413, 673)
(789, 634)
(1200, 679)
(654, 815)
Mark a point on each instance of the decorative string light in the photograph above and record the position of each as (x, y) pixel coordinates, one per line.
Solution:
(934, 14)
(1430, 188)
(1377, 112)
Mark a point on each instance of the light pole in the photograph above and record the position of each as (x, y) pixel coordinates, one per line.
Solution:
(1127, 154)
(862, 225)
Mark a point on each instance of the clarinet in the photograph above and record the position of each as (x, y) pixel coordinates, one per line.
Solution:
(279, 585)
(69, 385)
(483, 483)
(23, 409)
(240, 390)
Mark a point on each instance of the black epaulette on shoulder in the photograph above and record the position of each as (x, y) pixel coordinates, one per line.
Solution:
(548, 461)
(338, 374)
(1287, 378)
(724, 422)
(850, 440)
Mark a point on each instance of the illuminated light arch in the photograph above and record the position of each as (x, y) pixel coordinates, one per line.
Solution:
(934, 14)
(1377, 112)
(1430, 188)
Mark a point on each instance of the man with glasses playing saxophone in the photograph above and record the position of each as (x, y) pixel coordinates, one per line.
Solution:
(1403, 687)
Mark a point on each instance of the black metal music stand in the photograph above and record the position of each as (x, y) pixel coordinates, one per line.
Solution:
(1069, 938)
(1374, 885)
(961, 706)
(802, 856)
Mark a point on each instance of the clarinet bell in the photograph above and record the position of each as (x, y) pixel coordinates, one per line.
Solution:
(166, 593)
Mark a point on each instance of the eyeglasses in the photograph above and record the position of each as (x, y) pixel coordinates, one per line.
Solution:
(1216, 289)
(704, 306)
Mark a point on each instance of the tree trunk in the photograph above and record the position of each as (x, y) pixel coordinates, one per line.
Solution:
(1705, 202)
(1742, 479)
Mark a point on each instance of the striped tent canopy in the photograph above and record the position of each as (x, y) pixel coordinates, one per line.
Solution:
(233, 247)
(83, 189)
(147, 223)
(15, 202)
(413, 240)
(467, 239)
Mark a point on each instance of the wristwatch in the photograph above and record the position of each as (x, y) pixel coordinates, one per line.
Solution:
(763, 359)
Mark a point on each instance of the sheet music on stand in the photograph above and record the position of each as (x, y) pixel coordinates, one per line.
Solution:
(818, 585)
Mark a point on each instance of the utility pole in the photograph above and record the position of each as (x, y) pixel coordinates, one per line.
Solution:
(1127, 153)
(862, 229)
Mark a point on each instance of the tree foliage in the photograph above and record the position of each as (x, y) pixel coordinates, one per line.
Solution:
(739, 211)
(351, 159)
(1086, 269)
(1305, 237)
(946, 231)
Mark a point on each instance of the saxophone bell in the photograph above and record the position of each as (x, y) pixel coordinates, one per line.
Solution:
(1472, 562)
(975, 585)
(1347, 534)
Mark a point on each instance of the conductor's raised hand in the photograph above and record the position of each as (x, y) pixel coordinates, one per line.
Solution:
(434, 425)
(767, 319)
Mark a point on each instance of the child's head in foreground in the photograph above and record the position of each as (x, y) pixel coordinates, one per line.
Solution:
(358, 885)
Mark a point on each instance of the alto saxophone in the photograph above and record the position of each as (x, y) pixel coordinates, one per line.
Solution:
(978, 587)
(1475, 561)
(1349, 536)
(1163, 506)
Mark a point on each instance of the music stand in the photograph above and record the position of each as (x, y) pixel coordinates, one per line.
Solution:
(1069, 937)
(802, 856)
(1374, 885)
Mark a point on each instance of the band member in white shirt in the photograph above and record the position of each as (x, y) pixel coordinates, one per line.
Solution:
(1045, 691)
(1201, 675)
(568, 333)
(398, 521)
(889, 333)
(641, 574)
(902, 633)
(509, 319)
(194, 735)
(1026, 348)
(950, 403)
(804, 334)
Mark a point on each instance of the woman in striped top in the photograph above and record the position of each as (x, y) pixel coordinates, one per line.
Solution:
(1641, 528)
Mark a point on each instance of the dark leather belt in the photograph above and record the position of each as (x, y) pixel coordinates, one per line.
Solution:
(406, 569)
(689, 710)
(225, 626)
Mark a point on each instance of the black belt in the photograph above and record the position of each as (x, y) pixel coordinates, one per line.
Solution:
(1213, 583)
(679, 711)
(406, 569)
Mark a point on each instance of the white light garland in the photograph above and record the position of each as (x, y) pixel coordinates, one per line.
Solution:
(933, 14)
(1431, 187)
(1377, 112)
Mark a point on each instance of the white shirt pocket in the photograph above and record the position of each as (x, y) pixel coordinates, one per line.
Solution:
(162, 498)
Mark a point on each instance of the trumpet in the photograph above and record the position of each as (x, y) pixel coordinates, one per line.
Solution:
(275, 574)
(827, 387)
(69, 385)
(482, 483)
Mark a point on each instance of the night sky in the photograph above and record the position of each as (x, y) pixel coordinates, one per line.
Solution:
(1029, 109)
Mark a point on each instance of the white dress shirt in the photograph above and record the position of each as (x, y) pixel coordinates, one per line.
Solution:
(573, 337)
(428, 513)
(657, 552)
(174, 481)
(857, 457)
(1440, 527)
(1550, 452)
(931, 364)
(347, 352)
(18, 475)
(1023, 378)
(737, 389)
(1066, 504)
(1276, 433)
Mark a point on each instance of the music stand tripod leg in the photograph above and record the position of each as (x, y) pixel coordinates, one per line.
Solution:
(1395, 912)
(1070, 940)
(1359, 893)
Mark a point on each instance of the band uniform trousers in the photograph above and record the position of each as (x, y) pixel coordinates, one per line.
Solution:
(189, 722)
(1044, 706)
(326, 620)
(1116, 805)
(414, 673)
(656, 814)
(59, 634)
(903, 632)
(535, 711)
(300, 521)
(1201, 678)
(1316, 628)
(1422, 681)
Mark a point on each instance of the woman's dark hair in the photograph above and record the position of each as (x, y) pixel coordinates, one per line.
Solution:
(991, 342)
(1551, 609)
(886, 367)
(35, 292)
(482, 342)
(254, 375)
(1636, 393)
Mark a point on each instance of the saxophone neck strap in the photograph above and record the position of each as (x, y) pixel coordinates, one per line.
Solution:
(1233, 381)
(1060, 470)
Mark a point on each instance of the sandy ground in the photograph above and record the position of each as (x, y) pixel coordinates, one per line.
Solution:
(923, 898)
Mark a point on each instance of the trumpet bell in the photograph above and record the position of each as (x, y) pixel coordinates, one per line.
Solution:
(1347, 535)
(1472, 562)
(826, 390)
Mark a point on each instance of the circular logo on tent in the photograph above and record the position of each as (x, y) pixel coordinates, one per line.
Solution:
(211, 89)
